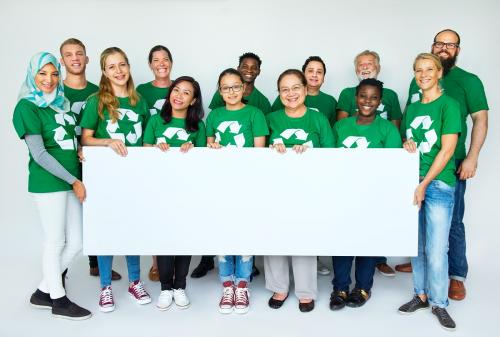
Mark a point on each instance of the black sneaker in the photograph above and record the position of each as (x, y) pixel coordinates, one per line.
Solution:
(206, 264)
(41, 300)
(357, 298)
(71, 311)
(444, 318)
(337, 300)
(414, 305)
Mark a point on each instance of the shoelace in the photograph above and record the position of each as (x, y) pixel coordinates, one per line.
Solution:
(139, 290)
(106, 296)
(180, 293)
(228, 295)
(443, 315)
(415, 301)
(241, 295)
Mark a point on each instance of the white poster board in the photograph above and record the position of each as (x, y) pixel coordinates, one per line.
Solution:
(323, 202)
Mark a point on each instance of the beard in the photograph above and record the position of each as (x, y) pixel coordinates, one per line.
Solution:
(448, 64)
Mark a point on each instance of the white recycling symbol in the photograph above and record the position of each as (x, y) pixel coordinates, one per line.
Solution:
(361, 142)
(299, 134)
(157, 106)
(234, 128)
(416, 96)
(77, 107)
(180, 132)
(132, 137)
(430, 135)
(59, 133)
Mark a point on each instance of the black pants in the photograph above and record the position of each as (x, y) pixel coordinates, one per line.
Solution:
(364, 270)
(92, 261)
(173, 271)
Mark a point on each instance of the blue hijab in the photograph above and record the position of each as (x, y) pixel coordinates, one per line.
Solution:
(32, 93)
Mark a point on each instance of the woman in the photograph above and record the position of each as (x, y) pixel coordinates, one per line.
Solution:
(154, 92)
(43, 119)
(235, 125)
(432, 127)
(314, 70)
(365, 130)
(179, 124)
(298, 127)
(115, 117)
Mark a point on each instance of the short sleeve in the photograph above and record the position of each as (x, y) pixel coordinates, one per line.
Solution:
(201, 136)
(259, 124)
(26, 120)
(90, 117)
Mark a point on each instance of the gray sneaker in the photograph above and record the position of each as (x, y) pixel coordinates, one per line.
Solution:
(414, 305)
(444, 318)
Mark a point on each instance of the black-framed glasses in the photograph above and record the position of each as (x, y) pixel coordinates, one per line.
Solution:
(449, 45)
(235, 88)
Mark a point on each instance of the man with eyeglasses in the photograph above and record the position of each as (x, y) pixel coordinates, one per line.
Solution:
(468, 90)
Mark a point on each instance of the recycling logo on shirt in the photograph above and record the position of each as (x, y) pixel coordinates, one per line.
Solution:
(416, 96)
(77, 107)
(113, 128)
(60, 132)
(234, 128)
(355, 142)
(171, 133)
(157, 106)
(430, 136)
(298, 134)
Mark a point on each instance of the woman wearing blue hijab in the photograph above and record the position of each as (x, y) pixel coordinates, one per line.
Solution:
(43, 119)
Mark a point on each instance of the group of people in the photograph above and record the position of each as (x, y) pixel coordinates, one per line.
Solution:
(55, 118)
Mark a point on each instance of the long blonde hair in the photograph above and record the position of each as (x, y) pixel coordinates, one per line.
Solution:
(106, 97)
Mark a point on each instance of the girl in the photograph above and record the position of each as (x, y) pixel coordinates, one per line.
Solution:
(179, 124)
(42, 118)
(235, 125)
(115, 117)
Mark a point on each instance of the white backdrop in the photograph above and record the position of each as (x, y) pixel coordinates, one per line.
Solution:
(207, 36)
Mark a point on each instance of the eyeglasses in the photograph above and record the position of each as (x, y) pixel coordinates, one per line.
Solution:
(449, 45)
(295, 89)
(235, 88)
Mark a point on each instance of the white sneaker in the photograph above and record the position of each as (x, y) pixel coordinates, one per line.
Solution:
(322, 268)
(181, 299)
(165, 300)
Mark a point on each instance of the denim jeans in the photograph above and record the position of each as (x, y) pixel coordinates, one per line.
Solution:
(106, 262)
(430, 267)
(456, 256)
(235, 268)
(364, 270)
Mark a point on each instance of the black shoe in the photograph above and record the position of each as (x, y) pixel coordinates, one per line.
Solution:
(337, 300)
(276, 304)
(71, 311)
(64, 278)
(255, 271)
(206, 264)
(357, 298)
(414, 305)
(41, 300)
(444, 318)
(306, 307)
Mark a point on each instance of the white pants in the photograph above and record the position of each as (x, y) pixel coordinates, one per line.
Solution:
(61, 218)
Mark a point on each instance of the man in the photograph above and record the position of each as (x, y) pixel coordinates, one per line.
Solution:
(249, 67)
(367, 65)
(468, 90)
(76, 89)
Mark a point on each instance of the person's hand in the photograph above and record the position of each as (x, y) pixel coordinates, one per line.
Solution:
(419, 195)
(214, 145)
(467, 168)
(300, 148)
(410, 146)
(118, 146)
(186, 147)
(280, 148)
(79, 190)
(163, 146)
(79, 152)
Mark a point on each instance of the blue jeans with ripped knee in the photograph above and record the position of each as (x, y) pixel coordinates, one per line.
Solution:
(235, 268)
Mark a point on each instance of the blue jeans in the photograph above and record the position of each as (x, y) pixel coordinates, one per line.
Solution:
(106, 262)
(235, 268)
(456, 256)
(364, 270)
(430, 267)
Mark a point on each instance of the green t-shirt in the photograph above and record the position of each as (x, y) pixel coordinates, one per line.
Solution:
(154, 96)
(426, 123)
(59, 138)
(324, 103)
(464, 87)
(389, 108)
(256, 99)
(129, 126)
(173, 133)
(77, 98)
(236, 128)
(312, 129)
(378, 134)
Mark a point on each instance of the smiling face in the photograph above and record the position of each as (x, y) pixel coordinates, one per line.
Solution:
(161, 65)
(292, 91)
(427, 74)
(249, 69)
(74, 59)
(231, 88)
(367, 67)
(315, 74)
(117, 70)
(47, 78)
(182, 96)
(368, 100)
(445, 52)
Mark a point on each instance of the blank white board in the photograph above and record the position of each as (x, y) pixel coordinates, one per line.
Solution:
(323, 202)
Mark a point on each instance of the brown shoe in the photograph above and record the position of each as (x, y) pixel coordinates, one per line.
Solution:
(457, 290)
(386, 270)
(94, 271)
(404, 268)
(153, 274)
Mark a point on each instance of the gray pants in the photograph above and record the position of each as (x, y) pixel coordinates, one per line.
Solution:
(304, 274)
